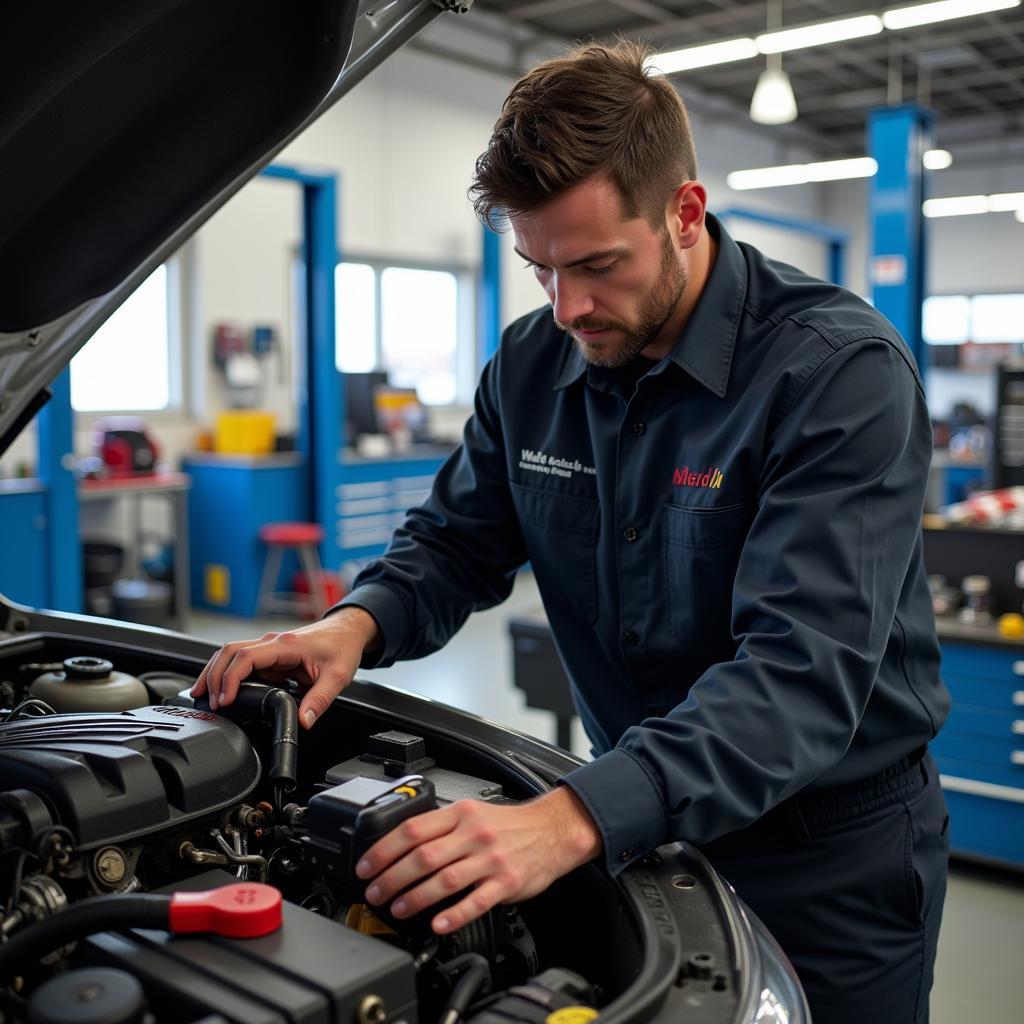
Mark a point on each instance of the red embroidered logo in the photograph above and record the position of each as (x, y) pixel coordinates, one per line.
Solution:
(686, 477)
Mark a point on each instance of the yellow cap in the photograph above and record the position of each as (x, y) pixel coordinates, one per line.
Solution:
(572, 1015)
(1011, 625)
(361, 918)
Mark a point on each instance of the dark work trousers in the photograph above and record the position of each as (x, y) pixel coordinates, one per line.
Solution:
(851, 884)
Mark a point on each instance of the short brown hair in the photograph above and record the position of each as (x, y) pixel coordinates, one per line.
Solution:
(596, 109)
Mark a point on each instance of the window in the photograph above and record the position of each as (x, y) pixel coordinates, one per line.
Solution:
(355, 299)
(126, 364)
(946, 319)
(956, 319)
(997, 318)
(413, 322)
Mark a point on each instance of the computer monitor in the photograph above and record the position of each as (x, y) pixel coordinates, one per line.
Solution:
(360, 409)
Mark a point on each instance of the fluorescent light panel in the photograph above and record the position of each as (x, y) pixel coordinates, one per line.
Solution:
(963, 206)
(838, 170)
(820, 34)
(897, 18)
(768, 177)
(830, 170)
(702, 56)
(1003, 202)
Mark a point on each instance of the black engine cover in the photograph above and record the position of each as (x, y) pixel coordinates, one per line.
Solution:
(110, 778)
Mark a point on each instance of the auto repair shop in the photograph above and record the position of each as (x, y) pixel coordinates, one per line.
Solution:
(239, 340)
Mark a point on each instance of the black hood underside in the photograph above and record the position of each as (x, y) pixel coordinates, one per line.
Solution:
(119, 120)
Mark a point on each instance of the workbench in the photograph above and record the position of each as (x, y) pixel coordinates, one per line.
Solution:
(132, 492)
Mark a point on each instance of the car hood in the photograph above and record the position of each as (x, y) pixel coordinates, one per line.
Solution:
(122, 132)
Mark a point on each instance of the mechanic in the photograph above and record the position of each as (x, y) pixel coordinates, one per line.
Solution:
(716, 467)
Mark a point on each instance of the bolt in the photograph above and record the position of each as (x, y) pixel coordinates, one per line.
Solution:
(110, 865)
(700, 965)
(371, 1011)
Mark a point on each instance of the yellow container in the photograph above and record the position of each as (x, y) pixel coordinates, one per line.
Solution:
(244, 432)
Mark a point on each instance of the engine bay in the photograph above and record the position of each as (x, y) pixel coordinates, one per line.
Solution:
(98, 799)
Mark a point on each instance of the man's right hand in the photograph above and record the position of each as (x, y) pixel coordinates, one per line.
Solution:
(322, 656)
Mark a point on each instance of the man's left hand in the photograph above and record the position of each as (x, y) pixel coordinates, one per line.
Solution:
(506, 853)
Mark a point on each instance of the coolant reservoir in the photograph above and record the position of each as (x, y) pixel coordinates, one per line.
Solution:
(90, 684)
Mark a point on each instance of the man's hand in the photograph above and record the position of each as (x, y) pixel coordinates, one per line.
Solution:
(505, 853)
(323, 656)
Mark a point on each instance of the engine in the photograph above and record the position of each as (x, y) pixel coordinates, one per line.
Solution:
(170, 797)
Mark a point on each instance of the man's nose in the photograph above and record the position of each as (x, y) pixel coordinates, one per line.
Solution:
(570, 300)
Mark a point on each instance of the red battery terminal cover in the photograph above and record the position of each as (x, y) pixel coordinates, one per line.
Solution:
(244, 910)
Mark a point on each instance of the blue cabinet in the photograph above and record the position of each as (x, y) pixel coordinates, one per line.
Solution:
(371, 499)
(980, 751)
(230, 499)
(23, 568)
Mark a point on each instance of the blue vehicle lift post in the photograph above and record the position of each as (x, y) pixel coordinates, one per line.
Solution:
(898, 138)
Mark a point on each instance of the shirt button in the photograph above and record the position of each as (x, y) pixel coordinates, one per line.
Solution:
(627, 855)
(631, 638)
(630, 534)
(639, 427)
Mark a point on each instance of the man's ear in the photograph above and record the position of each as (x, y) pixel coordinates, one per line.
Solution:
(686, 211)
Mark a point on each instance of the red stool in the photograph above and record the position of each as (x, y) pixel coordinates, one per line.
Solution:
(304, 538)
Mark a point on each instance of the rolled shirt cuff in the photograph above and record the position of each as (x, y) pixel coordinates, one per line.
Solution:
(392, 619)
(625, 804)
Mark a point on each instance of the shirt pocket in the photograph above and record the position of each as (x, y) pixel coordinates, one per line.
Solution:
(560, 531)
(701, 552)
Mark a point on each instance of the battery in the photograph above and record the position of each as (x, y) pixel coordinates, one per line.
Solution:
(311, 971)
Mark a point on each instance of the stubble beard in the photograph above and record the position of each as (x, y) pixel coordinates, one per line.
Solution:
(654, 312)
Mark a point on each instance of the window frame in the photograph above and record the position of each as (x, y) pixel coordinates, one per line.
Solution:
(466, 288)
(181, 273)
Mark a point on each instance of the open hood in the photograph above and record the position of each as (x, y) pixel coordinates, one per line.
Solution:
(124, 127)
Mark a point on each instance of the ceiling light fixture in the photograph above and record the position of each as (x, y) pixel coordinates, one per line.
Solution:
(1003, 202)
(897, 18)
(773, 101)
(821, 33)
(826, 170)
(937, 159)
(701, 56)
(962, 206)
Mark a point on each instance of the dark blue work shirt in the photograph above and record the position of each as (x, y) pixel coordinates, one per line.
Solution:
(729, 551)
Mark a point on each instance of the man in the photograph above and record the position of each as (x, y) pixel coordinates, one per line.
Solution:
(716, 467)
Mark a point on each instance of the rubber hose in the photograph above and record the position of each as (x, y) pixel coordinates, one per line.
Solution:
(255, 700)
(475, 978)
(98, 914)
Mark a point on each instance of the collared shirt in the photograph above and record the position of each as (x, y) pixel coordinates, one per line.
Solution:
(729, 554)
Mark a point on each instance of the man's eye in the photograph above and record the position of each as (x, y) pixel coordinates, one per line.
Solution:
(606, 269)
